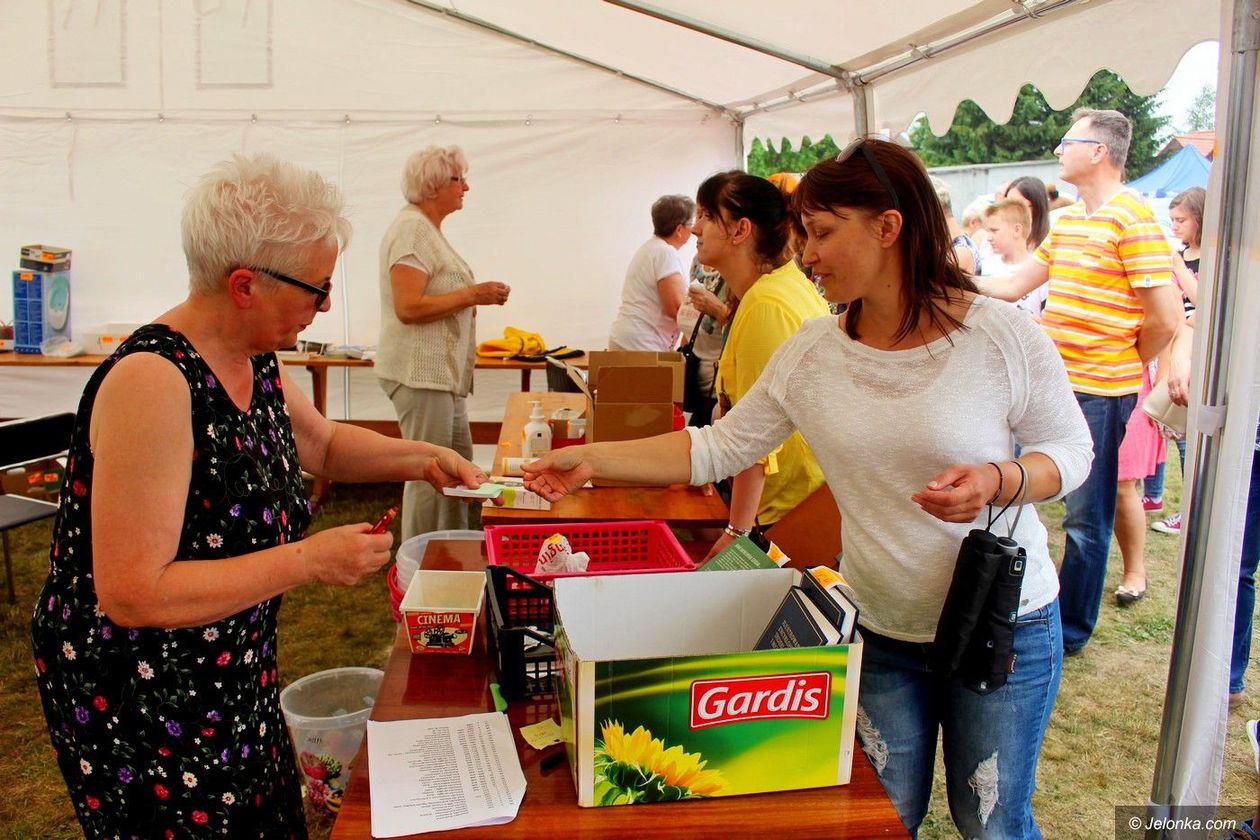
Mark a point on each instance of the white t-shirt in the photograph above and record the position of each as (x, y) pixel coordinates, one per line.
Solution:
(1033, 302)
(883, 423)
(640, 324)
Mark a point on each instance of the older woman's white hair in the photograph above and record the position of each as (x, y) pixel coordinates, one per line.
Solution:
(429, 169)
(258, 210)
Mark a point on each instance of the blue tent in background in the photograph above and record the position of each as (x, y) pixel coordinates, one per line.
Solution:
(1188, 168)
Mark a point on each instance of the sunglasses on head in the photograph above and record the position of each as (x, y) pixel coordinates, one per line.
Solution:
(321, 294)
(876, 167)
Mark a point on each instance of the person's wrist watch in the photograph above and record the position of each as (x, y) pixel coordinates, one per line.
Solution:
(731, 531)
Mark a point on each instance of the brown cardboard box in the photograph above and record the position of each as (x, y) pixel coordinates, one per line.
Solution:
(630, 394)
(600, 359)
(631, 403)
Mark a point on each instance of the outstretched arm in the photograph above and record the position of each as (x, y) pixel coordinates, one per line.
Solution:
(343, 452)
(1027, 277)
(664, 459)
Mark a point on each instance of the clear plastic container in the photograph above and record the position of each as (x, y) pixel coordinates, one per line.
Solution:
(411, 552)
(327, 715)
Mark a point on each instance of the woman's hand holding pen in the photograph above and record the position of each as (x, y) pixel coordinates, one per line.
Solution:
(345, 555)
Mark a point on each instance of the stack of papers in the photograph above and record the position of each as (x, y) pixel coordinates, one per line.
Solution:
(443, 773)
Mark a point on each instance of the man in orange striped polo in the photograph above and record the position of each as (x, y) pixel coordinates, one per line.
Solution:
(1111, 308)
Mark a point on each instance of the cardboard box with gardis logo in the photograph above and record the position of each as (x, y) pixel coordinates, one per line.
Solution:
(662, 697)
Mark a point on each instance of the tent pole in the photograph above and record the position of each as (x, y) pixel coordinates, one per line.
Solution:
(741, 156)
(706, 28)
(861, 94)
(1226, 289)
(918, 53)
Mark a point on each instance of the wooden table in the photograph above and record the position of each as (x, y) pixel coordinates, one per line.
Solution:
(681, 505)
(317, 366)
(524, 367)
(435, 685)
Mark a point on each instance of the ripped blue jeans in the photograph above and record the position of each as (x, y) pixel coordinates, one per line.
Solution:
(991, 743)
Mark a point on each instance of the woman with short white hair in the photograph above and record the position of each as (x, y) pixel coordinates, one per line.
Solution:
(183, 519)
(429, 303)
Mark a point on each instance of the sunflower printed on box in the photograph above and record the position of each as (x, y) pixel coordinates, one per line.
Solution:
(663, 699)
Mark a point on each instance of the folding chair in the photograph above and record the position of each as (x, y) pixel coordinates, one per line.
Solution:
(24, 442)
(558, 378)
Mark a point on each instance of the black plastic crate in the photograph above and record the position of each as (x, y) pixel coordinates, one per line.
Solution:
(519, 632)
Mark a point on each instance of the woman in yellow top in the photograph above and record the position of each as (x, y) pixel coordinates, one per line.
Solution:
(742, 229)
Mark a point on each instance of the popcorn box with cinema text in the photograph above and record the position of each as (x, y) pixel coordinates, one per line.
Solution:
(440, 610)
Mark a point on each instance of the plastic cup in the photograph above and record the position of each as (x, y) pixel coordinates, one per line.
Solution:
(327, 715)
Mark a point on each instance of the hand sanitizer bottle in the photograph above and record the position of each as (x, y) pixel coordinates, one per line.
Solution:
(536, 436)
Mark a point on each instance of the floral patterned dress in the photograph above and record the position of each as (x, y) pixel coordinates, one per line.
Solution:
(176, 733)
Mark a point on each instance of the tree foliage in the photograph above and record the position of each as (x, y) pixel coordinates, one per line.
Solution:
(1202, 113)
(765, 160)
(1035, 128)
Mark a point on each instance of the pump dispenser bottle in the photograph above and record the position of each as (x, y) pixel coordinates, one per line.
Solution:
(536, 436)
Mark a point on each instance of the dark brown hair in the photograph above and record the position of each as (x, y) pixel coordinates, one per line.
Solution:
(734, 195)
(1034, 189)
(931, 269)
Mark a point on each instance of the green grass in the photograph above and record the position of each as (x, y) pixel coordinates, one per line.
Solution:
(1099, 750)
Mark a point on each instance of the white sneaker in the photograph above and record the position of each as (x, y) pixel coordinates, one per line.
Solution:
(1171, 525)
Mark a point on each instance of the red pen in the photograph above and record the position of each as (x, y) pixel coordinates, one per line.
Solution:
(383, 522)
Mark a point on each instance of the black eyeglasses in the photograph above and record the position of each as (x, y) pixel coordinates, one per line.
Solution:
(321, 294)
(880, 173)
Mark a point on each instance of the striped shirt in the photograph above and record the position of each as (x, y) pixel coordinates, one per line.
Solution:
(1092, 313)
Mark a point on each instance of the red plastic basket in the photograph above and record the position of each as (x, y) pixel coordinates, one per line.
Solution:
(396, 592)
(615, 548)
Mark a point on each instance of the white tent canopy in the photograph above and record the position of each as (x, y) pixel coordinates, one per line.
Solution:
(575, 115)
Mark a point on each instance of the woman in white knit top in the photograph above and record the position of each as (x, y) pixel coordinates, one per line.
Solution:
(913, 401)
(428, 339)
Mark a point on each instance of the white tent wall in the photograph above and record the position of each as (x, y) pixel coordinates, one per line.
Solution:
(1226, 390)
(564, 164)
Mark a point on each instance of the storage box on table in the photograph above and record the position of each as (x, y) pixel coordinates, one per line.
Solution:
(662, 697)
(441, 609)
(615, 548)
(105, 338)
(45, 258)
(519, 627)
(41, 308)
(39, 479)
(519, 613)
(630, 393)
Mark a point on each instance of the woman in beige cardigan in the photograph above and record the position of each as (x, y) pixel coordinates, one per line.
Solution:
(429, 303)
